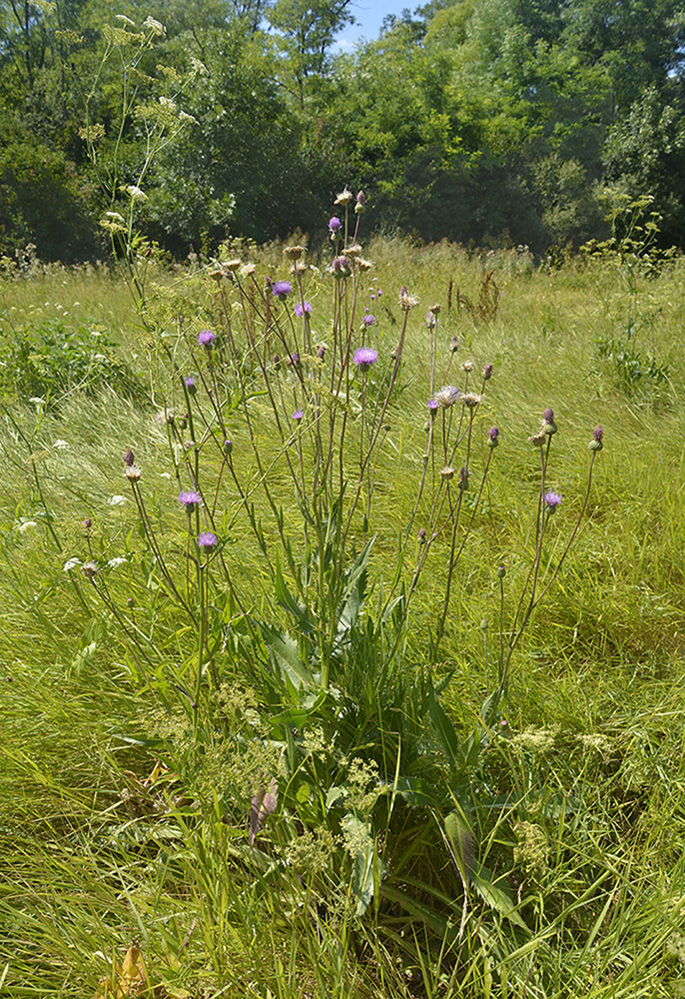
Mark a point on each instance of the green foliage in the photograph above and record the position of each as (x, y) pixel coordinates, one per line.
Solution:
(53, 360)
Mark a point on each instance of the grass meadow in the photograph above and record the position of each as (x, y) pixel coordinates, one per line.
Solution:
(369, 712)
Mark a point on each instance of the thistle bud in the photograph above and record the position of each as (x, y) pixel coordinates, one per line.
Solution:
(129, 457)
(596, 442)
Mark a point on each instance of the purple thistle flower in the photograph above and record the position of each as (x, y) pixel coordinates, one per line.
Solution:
(294, 358)
(487, 371)
(368, 319)
(372, 297)
(321, 352)
(433, 406)
(207, 540)
(206, 338)
(379, 292)
(129, 457)
(189, 500)
(190, 385)
(228, 447)
(493, 433)
(340, 267)
(548, 415)
(281, 289)
(301, 308)
(364, 357)
(447, 396)
(297, 415)
(334, 225)
(597, 433)
(552, 500)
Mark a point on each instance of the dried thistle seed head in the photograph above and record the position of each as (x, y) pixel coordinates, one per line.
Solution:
(538, 439)
(447, 472)
(435, 309)
(299, 267)
(407, 303)
(89, 569)
(247, 269)
(132, 473)
(129, 457)
(447, 396)
(467, 366)
(294, 252)
(233, 265)
(364, 265)
(218, 274)
(430, 320)
(472, 399)
(353, 251)
(344, 198)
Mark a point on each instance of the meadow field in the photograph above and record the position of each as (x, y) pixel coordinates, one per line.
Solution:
(342, 644)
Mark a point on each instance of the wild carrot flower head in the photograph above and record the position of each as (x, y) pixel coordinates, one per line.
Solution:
(281, 289)
(189, 500)
(206, 338)
(301, 308)
(552, 500)
(206, 541)
(364, 357)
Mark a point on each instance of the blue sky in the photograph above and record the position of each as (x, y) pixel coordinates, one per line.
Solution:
(369, 16)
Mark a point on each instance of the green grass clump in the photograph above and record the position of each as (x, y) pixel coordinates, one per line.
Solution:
(284, 763)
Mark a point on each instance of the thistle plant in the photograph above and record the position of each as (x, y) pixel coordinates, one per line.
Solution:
(278, 416)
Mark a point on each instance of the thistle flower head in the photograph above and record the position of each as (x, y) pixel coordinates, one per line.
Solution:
(454, 344)
(487, 371)
(464, 477)
(301, 308)
(467, 366)
(407, 303)
(206, 338)
(334, 225)
(471, 399)
(447, 472)
(421, 536)
(369, 319)
(294, 252)
(189, 500)
(321, 351)
(340, 267)
(364, 357)
(493, 436)
(129, 457)
(132, 473)
(190, 385)
(447, 396)
(206, 541)
(297, 415)
(281, 289)
(89, 569)
(596, 442)
(552, 500)
(433, 406)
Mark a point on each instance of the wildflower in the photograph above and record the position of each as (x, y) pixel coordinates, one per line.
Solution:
(294, 359)
(596, 442)
(248, 269)
(114, 563)
(467, 366)
(353, 251)
(421, 536)
(207, 540)
(447, 472)
(294, 252)
(302, 307)
(190, 385)
(344, 198)
(493, 435)
(454, 345)
(334, 226)
(369, 319)
(552, 500)
(407, 303)
(297, 415)
(61, 445)
(430, 320)
(321, 351)
(472, 399)
(281, 289)
(276, 361)
(135, 193)
(364, 357)
(360, 203)
(206, 338)
(129, 457)
(89, 569)
(117, 500)
(132, 473)
(233, 265)
(487, 371)
(189, 500)
(364, 265)
(228, 447)
(154, 26)
(464, 478)
(87, 524)
(71, 564)
(433, 406)
(548, 426)
(447, 396)
(501, 572)
(340, 267)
